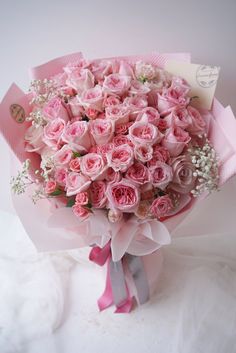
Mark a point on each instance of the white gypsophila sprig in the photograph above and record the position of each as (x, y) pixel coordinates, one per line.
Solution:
(47, 166)
(43, 91)
(206, 171)
(37, 118)
(22, 180)
(38, 194)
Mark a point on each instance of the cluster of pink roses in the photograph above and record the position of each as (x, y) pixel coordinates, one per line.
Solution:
(115, 136)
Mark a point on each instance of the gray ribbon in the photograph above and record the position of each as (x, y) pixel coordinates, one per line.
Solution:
(118, 285)
(138, 273)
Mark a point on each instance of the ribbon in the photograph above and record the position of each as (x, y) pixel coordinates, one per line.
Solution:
(116, 289)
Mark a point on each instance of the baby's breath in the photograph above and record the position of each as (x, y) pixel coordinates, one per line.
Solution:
(22, 180)
(205, 162)
(43, 91)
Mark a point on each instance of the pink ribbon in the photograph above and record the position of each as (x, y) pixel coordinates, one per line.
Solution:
(101, 256)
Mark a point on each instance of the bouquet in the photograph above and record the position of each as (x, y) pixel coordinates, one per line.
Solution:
(115, 153)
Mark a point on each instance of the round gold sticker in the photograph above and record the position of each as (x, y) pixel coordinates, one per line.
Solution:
(17, 113)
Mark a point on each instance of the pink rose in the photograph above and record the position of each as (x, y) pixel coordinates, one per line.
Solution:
(76, 65)
(92, 114)
(82, 198)
(183, 174)
(50, 186)
(138, 173)
(161, 206)
(117, 113)
(175, 95)
(142, 133)
(180, 117)
(138, 88)
(122, 140)
(123, 128)
(92, 98)
(112, 176)
(80, 211)
(102, 131)
(175, 140)
(75, 165)
(162, 124)
(149, 115)
(104, 149)
(98, 194)
(80, 79)
(116, 84)
(76, 183)
(160, 153)
(126, 69)
(55, 109)
(198, 124)
(60, 176)
(92, 165)
(123, 196)
(75, 107)
(143, 153)
(161, 174)
(53, 132)
(63, 156)
(76, 134)
(100, 69)
(111, 101)
(120, 158)
(135, 104)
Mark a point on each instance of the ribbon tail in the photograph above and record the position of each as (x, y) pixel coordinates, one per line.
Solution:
(127, 306)
(106, 299)
(139, 276)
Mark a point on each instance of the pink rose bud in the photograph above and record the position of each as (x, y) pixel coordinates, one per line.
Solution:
(50, 186)
(80, 211)
(75, 165)
(82, 198)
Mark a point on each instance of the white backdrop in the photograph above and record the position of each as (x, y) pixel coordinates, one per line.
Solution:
(194, 309)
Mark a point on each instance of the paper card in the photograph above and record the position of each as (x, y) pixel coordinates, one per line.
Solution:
(201, 78)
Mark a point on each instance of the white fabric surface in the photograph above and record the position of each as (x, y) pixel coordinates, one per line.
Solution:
(46, 307)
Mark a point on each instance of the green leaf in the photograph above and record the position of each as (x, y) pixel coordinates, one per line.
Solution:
(57, 192)
(76, 154)
(89, 205)
(70, 202)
